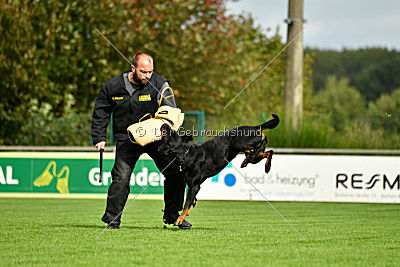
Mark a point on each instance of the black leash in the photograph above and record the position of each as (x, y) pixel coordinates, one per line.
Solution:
(101, 164)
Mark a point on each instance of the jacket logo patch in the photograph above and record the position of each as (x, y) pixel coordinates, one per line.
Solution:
(117, 97)
(144, 98)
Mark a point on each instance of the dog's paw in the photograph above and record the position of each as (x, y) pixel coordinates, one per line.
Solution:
(267, 167)
(268, 162)
(244, 163)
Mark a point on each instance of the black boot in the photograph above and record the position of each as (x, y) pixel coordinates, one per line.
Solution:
(170, 219)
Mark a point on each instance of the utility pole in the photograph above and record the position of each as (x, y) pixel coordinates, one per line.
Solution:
(294, 65)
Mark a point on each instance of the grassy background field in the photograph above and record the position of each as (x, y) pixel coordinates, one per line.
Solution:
(63, 232)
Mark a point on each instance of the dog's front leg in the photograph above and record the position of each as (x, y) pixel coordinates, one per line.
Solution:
(190, 200)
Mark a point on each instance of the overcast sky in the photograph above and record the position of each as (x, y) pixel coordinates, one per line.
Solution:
(333, 23)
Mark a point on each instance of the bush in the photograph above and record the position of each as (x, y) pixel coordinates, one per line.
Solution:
(42, 127)
(317, 132)
(385, 112)
(341, 101)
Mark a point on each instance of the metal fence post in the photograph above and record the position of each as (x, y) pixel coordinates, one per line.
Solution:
(201, 124)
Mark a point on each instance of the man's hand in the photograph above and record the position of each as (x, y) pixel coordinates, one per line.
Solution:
(100, 145)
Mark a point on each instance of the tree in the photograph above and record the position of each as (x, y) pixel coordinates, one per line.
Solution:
(385, 112)
(48, 54)
(341, 101)
(51, 52)
(373, 71)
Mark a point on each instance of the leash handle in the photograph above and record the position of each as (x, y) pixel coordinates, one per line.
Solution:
(101, 164)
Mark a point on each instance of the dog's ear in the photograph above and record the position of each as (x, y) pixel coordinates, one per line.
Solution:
(165, 147)
(168, 150)
(187, 138)
(165, 129)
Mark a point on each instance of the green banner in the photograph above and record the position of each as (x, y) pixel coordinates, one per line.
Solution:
(67, 173)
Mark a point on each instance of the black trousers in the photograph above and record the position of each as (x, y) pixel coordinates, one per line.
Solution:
(126, 157)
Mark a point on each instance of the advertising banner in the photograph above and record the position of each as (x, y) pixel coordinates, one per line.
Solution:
(309, 178)
(374, 179)
(66, 173)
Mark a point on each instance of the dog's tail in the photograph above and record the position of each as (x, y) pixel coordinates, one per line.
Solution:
(271, 124)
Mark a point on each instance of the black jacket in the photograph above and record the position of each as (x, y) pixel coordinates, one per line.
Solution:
(128, 107)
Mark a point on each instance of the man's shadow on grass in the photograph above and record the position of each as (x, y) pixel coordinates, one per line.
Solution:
(132, 227)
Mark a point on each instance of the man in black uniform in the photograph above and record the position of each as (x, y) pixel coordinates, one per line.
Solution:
(132, 96)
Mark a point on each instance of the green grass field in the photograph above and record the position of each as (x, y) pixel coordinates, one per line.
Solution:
(63, 232)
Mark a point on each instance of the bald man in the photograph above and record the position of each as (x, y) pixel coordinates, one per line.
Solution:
(133, 96)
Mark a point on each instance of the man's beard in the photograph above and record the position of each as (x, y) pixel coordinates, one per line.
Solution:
(137, 79)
